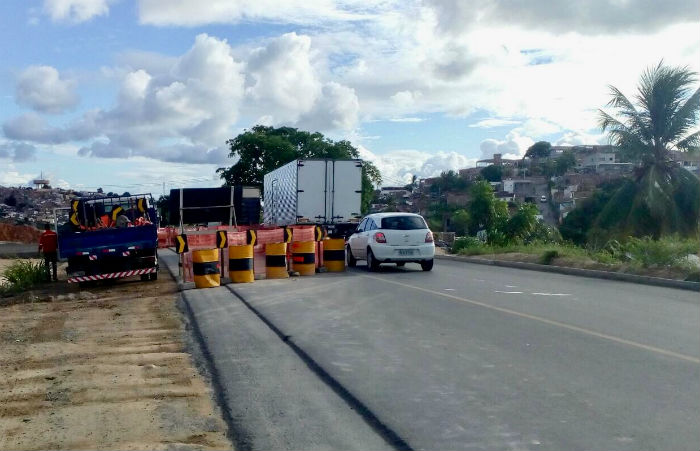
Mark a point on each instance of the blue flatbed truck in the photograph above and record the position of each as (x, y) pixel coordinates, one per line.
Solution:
(110, 238)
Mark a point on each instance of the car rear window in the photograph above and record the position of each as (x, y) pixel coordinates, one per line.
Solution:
(403, 223)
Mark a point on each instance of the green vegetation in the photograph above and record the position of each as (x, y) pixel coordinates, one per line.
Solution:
(669, 253)
(492, 173)
(22, 275)
(449, 181)
(540, 149)
(263, 149)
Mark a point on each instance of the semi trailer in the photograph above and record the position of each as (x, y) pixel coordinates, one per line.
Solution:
(315, 191)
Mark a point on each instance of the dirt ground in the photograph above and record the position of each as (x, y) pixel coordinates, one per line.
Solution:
(102, 368)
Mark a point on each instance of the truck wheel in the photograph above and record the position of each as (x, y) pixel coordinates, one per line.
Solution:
(145, 277)
(154, 276)
(352, 262)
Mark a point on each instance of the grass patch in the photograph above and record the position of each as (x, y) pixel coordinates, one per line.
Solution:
(636, 255)
(22, 275)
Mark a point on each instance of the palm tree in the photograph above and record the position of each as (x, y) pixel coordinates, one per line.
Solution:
(662, 197)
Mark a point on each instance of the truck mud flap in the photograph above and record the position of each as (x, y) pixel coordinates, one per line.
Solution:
(113, 275)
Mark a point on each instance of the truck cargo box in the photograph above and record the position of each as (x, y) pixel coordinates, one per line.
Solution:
(208, 202)
(321, 191)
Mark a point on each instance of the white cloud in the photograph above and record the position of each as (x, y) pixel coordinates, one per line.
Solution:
(588, 17)
(192, 12)
(281, 74)
(401, 62)
(577, 138)
(398, 166)
(492, 122)
(186, 111)
(10, 176)
(513, 146)
(63, 184)
(42, 89)
(406, 119)
(75, 11)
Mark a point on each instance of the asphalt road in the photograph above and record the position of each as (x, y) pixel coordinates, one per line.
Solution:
(483, 358)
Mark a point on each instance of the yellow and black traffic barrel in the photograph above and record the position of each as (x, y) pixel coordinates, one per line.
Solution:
(304, 257)
(334, 254)
(205, 266)
(240, 263)
(276, 261)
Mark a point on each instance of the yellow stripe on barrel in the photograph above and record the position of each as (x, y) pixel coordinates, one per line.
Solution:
(334, 254)
(276, 261)
(304, 257)
(205, 266)
(240, 263)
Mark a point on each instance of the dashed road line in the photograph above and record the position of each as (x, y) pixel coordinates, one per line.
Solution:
(582, 330)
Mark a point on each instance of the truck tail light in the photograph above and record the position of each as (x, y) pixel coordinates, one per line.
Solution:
(429, 237)
(379, 237)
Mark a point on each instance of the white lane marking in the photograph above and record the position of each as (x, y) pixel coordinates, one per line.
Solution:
(582, 330)
(508, 292)
(480, 280)
(449, 289)
(551, 294)
(511, 286)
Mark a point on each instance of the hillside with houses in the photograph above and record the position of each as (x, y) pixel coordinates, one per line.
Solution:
(557, 181)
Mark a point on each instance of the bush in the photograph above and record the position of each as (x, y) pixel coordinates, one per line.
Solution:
(465, 242)
(667, 251)
(23, 274)
(543, 233)
(549, 256)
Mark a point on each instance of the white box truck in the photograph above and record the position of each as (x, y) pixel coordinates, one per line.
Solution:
(317, 191)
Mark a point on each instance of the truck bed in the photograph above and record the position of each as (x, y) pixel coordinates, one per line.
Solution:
(112, 240)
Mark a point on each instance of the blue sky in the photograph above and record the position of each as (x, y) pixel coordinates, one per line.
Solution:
(141, 94)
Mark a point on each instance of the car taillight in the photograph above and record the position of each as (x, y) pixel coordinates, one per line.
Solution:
(429, 237)
(379, 237)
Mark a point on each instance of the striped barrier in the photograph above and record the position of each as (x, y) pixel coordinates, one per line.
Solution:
(240, 264)
(334, 254)
(304, 257)
(114, 275)
(276, 261)
(206, 268)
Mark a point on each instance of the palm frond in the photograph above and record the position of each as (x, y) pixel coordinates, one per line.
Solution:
(690, 143)
(635, 120)
(684, 119)
(662, 91)
(623, 136)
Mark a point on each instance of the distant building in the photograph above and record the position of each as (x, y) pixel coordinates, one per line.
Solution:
(470, 174)
(520, 188)
(689, 161)
(497, 160)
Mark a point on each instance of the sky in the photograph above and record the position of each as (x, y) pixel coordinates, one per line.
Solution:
(142, 95)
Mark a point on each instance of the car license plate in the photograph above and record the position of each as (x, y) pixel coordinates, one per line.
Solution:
(405, 251)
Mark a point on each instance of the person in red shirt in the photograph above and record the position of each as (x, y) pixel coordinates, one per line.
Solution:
(48, 244)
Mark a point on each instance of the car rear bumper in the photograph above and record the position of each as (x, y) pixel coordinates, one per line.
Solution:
(386, 253)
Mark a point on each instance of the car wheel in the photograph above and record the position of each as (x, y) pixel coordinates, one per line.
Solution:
(352, 261)
(400, 264)
(372, 263)
(427, 265)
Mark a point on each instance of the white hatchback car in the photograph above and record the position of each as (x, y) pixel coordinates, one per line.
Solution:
(392, 238)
